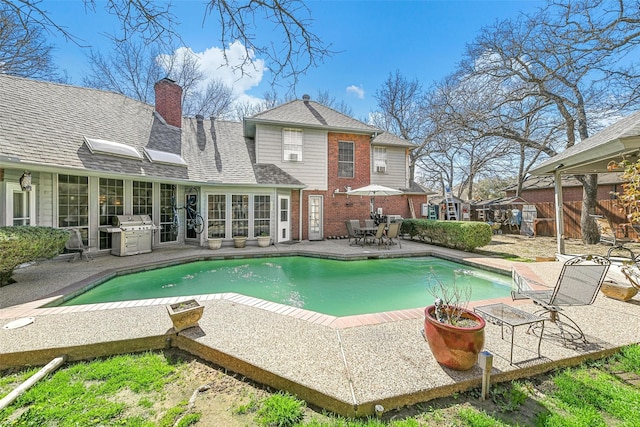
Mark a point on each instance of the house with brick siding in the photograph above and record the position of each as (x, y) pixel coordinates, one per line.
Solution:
(541, 189)
(89, 156)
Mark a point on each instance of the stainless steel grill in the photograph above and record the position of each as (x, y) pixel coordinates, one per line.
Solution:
(131, 234)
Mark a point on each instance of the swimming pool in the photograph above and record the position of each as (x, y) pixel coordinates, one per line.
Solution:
(337, 288)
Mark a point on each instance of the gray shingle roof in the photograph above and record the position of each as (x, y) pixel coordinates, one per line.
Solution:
(306, 113)
(387, 138)
(45, 123)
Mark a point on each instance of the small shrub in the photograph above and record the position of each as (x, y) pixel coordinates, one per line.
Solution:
(20, 244)
(281, 410)
(463, 235)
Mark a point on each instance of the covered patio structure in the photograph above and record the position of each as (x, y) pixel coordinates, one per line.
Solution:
(619, 141)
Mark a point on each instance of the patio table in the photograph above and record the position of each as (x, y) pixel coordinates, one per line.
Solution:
(369, 232)
(503, 314)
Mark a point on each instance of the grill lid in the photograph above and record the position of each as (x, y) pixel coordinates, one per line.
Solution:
(124, 221)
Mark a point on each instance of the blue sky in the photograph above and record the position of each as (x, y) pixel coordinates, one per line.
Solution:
(424, 39)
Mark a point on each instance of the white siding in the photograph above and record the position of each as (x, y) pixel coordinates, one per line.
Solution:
(312, 170)
(44, 200)
(396, 175)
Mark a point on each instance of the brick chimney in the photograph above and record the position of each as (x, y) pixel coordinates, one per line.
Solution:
(169, 101)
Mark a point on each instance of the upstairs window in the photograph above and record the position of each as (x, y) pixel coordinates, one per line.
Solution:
(345, 159)
(292, 145)
(380, 159)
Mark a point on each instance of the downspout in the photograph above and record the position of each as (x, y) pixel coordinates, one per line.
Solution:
(559, 209)
(300, 221)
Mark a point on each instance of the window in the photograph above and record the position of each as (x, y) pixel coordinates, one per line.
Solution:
(217, 215)
(292, 145)
(380, 159)
(73, 203)
(345, 159)
(21, 208)
(110, 204)
(142, 198)
(240, 215)
(261, 215)
(167, 201)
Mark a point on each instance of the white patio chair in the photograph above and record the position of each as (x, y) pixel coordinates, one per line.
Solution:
(578, 284)
(76, 246)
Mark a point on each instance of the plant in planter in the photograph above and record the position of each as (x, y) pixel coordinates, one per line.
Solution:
(185, 314)
(214, 242)
(239, 241)
(454, 333)
(264, 239)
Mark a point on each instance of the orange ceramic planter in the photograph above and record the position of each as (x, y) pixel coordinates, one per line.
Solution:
(454, 347)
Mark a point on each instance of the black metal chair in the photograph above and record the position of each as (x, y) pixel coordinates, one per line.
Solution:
(578, 284)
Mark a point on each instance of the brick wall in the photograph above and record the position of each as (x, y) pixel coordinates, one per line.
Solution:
(338, 207)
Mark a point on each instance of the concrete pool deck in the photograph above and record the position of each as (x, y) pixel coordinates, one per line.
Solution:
(346, 365)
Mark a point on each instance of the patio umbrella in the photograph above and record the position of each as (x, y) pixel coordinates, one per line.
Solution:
(373, 190)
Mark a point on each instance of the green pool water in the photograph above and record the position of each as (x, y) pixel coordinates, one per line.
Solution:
(338, 288)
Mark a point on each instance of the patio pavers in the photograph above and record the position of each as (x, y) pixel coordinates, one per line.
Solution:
(343, 364)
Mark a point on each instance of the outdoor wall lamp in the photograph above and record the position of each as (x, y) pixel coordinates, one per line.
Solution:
(25, 181)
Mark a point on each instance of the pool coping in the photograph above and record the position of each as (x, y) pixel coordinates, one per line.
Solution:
(50, 302)
(345, 368)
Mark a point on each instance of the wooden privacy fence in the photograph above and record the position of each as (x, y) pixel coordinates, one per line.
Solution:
(572, 212)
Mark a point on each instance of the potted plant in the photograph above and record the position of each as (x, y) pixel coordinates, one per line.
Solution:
(185, 314)
(239, 241)
(454, 333)
(264, 239)
(214, 242)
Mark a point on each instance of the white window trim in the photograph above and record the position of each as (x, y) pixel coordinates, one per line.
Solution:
(31, 195)
(353, 162)
(292, 146)
(380, 159)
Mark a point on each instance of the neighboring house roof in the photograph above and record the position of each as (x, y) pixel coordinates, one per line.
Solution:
(417, 189)
(500, 201)
(593, 154)
(547, 181)
(436, 200)
(307, 114)
(45, 124)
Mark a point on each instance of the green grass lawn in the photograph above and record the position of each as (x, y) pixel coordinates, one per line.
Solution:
(157, 389)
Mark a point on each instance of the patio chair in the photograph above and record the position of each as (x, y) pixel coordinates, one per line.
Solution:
(353, 232)
(380, 237)
(578, 284)
(632, 273)
(393, 233)
(76, 246)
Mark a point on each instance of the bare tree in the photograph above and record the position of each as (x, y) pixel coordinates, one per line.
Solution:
(569, 55)
(24, 50)
(297, 50)
(132, 70)
(485, 109)
(269, 100)
(401, 112)
(215, 100)
(327, 100)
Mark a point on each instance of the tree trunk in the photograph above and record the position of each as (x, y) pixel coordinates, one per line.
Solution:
(588, 226)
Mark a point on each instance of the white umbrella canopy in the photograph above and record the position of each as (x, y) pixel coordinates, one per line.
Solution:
(372, 191)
